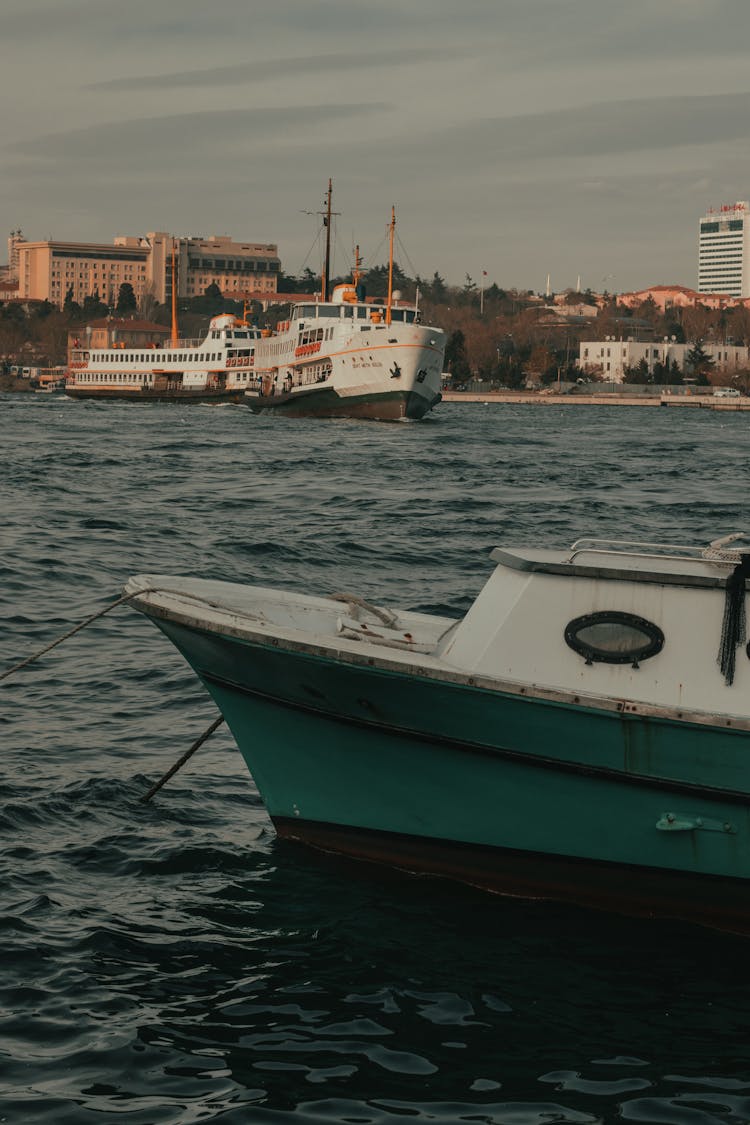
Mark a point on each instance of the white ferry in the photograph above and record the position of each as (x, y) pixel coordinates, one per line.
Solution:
(344, 357)
(349, 359)
(218, 368)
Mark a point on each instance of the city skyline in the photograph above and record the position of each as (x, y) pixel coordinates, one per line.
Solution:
(524, 139)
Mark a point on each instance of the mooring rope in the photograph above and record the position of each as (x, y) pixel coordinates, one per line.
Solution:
(73, 631)
(125, 598)
(181, 761)
(77, 629)
(356, 603)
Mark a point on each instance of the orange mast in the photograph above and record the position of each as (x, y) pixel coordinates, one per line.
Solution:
(175, 335)
(391, 230)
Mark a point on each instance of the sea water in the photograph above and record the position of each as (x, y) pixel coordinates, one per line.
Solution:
(173, 962)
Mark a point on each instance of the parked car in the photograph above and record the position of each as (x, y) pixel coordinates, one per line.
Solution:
(726, 392)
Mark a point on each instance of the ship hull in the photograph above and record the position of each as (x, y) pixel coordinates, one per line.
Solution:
(115, 394)
(387, 406)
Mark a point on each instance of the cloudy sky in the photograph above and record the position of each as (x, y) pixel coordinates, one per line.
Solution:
(518, 137)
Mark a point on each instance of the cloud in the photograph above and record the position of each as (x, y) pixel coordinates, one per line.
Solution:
(591, 132)
(264, 69)
(511, 134)
(186, 139)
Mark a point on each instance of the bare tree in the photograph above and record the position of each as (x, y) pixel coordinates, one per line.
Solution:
(148, 302)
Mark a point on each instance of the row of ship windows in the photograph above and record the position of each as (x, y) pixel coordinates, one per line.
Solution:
(165, 356)
(142, 378)
(358, 312)
(312, 335)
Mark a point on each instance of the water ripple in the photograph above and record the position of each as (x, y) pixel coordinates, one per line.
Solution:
(174, 962)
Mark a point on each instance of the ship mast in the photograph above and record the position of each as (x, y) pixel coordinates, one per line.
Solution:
(175, 334)
(327, 267)
(391, 232)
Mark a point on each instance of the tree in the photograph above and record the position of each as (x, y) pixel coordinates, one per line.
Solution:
(699, 363)
(93, 306)
(469, 292)
(212, 302)
(540, 363)
(41, 312)
(53, 337)
(456, 360)
(71, 307)
(638, 374)
(376, 280)
(310, 282)
(666, 373)
(288, 283)
(147, 304)
(126, 302)
(437, 289)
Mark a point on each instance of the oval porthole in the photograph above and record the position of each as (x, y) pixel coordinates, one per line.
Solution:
(611, 637)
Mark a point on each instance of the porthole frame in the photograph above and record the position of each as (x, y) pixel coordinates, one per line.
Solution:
(594, 655)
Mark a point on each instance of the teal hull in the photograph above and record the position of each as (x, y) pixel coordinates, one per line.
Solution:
(527, 796)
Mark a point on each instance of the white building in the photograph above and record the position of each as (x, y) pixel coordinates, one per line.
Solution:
(724, 251)
(610, 358)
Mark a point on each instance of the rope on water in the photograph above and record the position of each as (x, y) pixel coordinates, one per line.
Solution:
(734, 623)
(181, 761)
(71, 632)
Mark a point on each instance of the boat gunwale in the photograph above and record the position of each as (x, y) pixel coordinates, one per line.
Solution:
(432, 667)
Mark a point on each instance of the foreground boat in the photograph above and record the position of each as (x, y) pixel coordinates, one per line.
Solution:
(571, 737)
(342, 356)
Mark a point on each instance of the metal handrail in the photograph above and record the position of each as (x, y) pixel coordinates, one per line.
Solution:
(715, 552)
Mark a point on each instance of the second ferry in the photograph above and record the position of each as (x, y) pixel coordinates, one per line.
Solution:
(342, 356)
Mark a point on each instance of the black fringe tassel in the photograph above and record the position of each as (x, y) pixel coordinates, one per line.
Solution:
(734, 625)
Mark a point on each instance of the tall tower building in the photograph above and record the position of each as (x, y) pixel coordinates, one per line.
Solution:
(724, 251)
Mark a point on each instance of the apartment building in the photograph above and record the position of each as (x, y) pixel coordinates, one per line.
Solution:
(236, 267)
(50, 270)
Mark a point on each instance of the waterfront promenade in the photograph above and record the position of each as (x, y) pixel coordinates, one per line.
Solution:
(543, 398)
